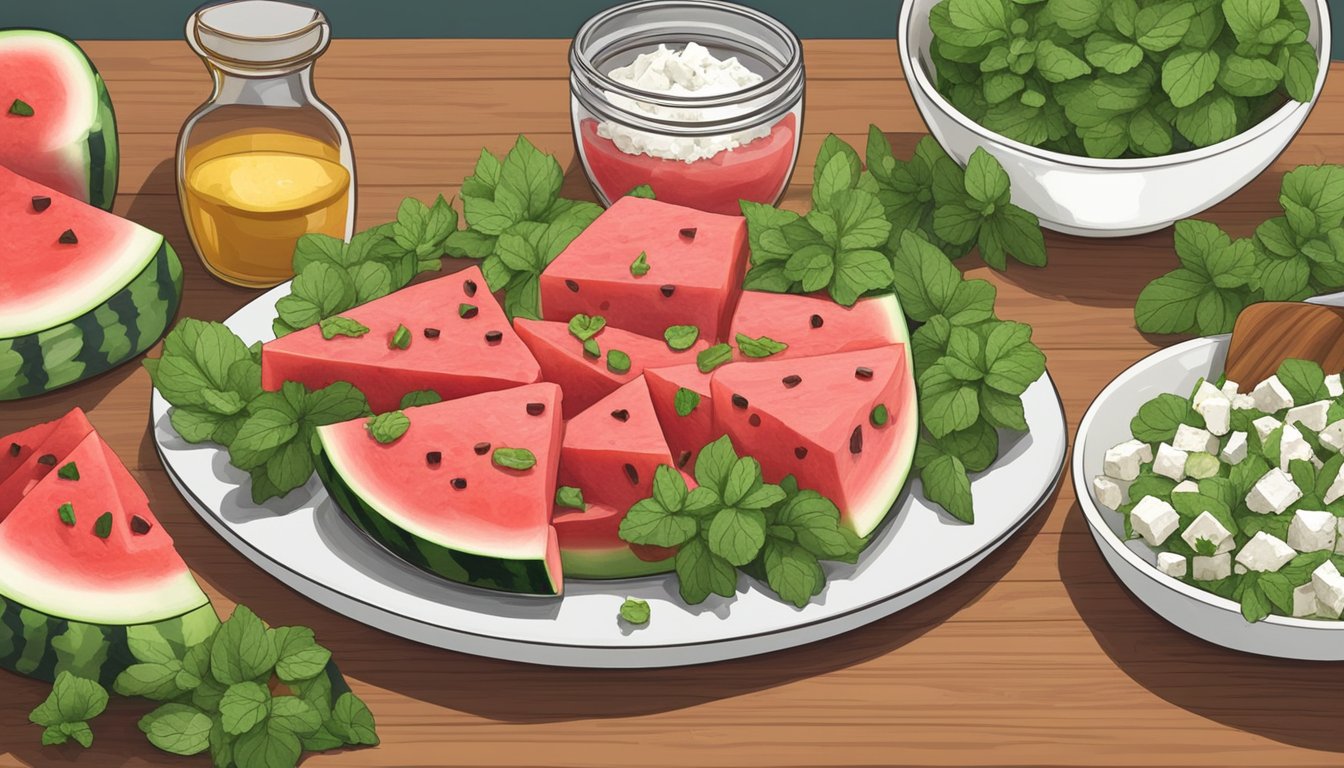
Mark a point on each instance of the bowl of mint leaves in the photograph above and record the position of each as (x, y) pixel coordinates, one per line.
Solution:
(1117, 117)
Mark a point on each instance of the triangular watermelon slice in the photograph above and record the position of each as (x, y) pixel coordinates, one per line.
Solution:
(687, 434)
(611, 450)
(35, 459)
(591, 546)
(460, 344)
(812, 325)
(17, 448)
(816, 418)
(586, 379)
(436, 497)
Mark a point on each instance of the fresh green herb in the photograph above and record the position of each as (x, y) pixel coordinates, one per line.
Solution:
(420, 397)
(66, 713)
(513, 458)
(591, 348)
(1121, 80)
(643, 190)
(635, 611)
(68, 472)
(341, 326)
(763, 346)
(401, 338)
(640, 266)
(387, 427)
(685, 401)
(618, 362)
(569, 497)
(20, 108)
(681, 337)
(467, 310)
(102, 527)
(879, 415)
(67, 513)
(713, 357)
(585, 327)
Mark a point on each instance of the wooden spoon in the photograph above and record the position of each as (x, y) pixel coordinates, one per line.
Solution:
(1270, 332)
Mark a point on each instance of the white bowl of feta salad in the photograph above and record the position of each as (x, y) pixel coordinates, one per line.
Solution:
(1220, 504)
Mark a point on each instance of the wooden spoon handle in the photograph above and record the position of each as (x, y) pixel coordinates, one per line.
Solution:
(1270, 332)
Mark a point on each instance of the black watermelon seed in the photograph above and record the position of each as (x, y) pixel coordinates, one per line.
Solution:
(41, 203)
(494, 337)
(863, 373)
(739, 401)
(800, 452)
(68, 237)
(434, 458)
(15, 449)
(572, 286)
(668, 290)
(140, 526)
(683, 458)
(469, 287)
(47, 459)
(688, 233)
(459, 483)
(620, 414)
(754, 420)
(431, 333)
(536, 409)
(816, 321)
(792, 381)
(856, 440)
(632, 473)
(481, 448)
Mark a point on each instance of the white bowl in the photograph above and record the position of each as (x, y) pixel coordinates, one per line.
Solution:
(1203, 614)
(1107, 198)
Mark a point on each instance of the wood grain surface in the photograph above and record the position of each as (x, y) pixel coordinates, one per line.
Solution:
(1038, 656)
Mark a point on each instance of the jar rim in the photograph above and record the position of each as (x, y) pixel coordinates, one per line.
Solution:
(197, 24)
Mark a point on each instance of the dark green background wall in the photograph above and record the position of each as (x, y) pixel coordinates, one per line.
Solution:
(163, 19)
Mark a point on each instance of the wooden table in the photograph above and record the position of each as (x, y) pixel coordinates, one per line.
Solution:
(1037, 656)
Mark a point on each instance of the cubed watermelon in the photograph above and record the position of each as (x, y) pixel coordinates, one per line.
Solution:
(686, 434)
(612, 449)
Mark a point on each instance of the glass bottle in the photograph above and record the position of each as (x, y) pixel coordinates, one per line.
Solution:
(263, 161)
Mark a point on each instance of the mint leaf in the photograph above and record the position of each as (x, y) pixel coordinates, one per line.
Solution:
(618, 362)
(513, 458)
(946, 484)
(341, 326)
(20, 108)
(643, 190)
(709, 359)
(635, 611)
(151, 680)
(1189, 75)
(242, 649)
(640, 266)
(570, 497)
(762, 346)
(243, 706)
(585, 327)
(178, 729)
(267, 746)
(294, 715)
(352, 721)
(792, 572)
(714, 463)
(1303, 379)
(420, 397)
(701, 573)
(387, 427)
(1157, 419)
(685, 401)
(72, 700)
(299, 657)
(681, 337)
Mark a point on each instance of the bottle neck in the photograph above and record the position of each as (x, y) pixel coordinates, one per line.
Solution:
(291, 88)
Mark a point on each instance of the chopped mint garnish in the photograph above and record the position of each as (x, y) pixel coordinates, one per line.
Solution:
(569, 497)
(67, 513)
(713, 357)
(759, 347)
(20, 108)
(68, 472)
(640, 266)
(102, 527)
(643, 190)
(387, 427)
(618, 361)
(879, 416)
(401, 338)
(635, 611)
(585, 327)
(420, 397)
(680, 337)
(685, 401)
(341, 326)
(513, 458)
(591, 349)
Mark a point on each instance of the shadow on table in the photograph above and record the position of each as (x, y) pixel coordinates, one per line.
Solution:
(1292, 702)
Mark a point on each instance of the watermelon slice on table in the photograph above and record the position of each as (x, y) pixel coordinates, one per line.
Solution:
(695, 265)
(56, 121)
(814, 418)
(460, 344)
(586, 379)
(40, 450)
(687, 434)
(611, 449)
(591, 546)
(81, 290)
(812, 325)
(436, 498)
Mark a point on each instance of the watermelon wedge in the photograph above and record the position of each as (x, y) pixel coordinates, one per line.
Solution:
(611, 449)
(586, 379)
(843, 424)
(81, 290)
(56, 121)
(460, 344)
(695, 266)
(687, 434)
(591, 546)
(40, 448)
(436, 497)
(813, 325)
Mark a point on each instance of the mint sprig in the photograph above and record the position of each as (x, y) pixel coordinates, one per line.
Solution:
(66, 712)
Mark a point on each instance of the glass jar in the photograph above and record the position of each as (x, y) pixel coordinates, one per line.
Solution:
(704, 151)
(263, 161)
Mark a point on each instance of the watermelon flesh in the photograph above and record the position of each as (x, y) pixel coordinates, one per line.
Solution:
(69, 143)
(815, 325)
(820, 429)
(591, 546)
(463, 359)
(495, 530)
(686, 435)
(20, 446)
(585, 379)
(51, 441)
(696, 262)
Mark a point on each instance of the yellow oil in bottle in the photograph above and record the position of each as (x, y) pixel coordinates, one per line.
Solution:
(250, 194)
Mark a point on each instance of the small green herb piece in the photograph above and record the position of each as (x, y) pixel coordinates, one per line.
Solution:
(67, 513)
(387, 427)
(68, 472)
(643, 190)
(879, 416)
(681, 337)
(467, 310)
(341, 326)
(713, 357)
(67, 710)
(635, 611)
(513, 458)
(585, 327)
(618, 361)
(640, 266)
(763, 346)
(591, 348)
(420, 397)
(401, 338)
(102, 527)
(685, 401)
(569, 497)
(20, 109)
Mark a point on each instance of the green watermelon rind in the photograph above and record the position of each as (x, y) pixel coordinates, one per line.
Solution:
(610, 564)
(126, 324)
(530, 576)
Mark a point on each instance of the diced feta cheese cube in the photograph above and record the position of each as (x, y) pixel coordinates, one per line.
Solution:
(1107, 491)
(1265, 552)
(1230, 389)
(1212, 568)
(1206, 526)
(1333, 386)
(1271, 396)
(1122, 461)
(1329, 586)
(1339, 536)
(1264, 425)
(1293, 447)
(1154, 520)
(1186, 486)
(1274, 492)
(1333, 435)
(1312, 530)
(1172, 564)
(1336, 489)
(1170, 462)
(1243, 403)
(1235, 450)
(1238, 568)
(1304, 601)
(1194, 440)
(1217, 413)
(1312, 415)
(1205, 391)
